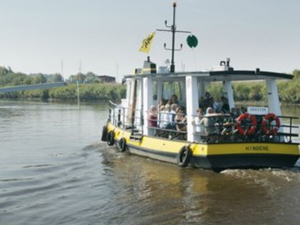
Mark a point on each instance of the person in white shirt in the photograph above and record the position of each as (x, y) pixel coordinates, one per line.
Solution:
(172, 115)
(199, 128)
(165, 119)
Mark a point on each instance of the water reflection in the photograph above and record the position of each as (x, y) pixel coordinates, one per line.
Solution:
(47, 176)
(153, 191)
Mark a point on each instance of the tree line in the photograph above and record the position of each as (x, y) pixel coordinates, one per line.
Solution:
(91, 89)
(8, 78)
(87, 92)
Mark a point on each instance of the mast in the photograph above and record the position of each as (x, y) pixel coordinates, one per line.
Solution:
(173, 30)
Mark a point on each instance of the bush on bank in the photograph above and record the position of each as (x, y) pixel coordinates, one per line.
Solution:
(104, 91)
(95, 91)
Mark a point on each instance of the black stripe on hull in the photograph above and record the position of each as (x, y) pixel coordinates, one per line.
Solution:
(239, 161)
(221, 162)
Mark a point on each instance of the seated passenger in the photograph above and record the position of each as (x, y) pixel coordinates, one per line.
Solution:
(152, 117)
(161, 102)
(165, 119)
(160, 114)
(180, 120)
(229, 123)
(172, 115)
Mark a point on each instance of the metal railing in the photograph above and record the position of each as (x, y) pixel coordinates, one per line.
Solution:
(223, 130)
(169, 128)
(126, 118)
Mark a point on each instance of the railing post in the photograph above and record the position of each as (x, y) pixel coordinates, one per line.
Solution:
(147, 102)
(191, 105)
(291, 119)
(123, 121)
(109, 112)
(142, 120)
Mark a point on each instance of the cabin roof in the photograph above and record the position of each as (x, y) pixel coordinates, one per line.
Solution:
(235, 75)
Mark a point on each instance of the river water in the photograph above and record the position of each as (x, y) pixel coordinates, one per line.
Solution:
(55, 170)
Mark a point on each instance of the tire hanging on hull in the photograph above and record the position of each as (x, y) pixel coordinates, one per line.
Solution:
(122, 145)
(104, 133)
(110, 138)
(184, 156)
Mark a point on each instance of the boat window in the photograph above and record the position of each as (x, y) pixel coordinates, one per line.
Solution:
(170, 88)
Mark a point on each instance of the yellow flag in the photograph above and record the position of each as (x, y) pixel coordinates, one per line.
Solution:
(147, 42)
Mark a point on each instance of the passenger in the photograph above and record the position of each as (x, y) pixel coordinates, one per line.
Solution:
(214, 104)
(243, 109)
(166, 123)
(201, 102)
(225, 106)
(238, 112)
(160, 115)
(234, 114)
(180, 120)
(161, 102)
(229, 123)
(219, 107)
(152, 117)
(209, 122)
(174, 99)
(245, 124)
(196, 122)
(207, 101)
(172, 115)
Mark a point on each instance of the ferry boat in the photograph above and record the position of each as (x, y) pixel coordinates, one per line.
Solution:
(260, 137)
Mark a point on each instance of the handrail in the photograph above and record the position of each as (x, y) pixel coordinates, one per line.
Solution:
(224, 132)
(231, 132)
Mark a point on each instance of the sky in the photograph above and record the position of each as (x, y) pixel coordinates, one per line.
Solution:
(104, 36)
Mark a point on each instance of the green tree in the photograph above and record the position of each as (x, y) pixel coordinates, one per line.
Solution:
(39, 79)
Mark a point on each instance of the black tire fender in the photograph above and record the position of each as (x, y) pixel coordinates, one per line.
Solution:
(104, 133)
(110, 138)
(184, 156)
(122, 144)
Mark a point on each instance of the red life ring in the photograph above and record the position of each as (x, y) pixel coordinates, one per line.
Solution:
(251, 130)
(265, 124)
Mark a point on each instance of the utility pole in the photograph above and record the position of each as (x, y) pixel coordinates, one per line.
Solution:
(173, 30)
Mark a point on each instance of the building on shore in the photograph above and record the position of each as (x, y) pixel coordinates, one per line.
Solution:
(106, 79)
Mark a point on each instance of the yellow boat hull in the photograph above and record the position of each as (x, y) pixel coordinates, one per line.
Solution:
(217, 156)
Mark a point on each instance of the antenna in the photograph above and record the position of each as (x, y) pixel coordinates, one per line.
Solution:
(173, 30)
(80, 65)
(78, 91)
(117, 71)
(62, 67)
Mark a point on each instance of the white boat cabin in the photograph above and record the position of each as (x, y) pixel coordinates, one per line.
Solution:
(147, 88)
